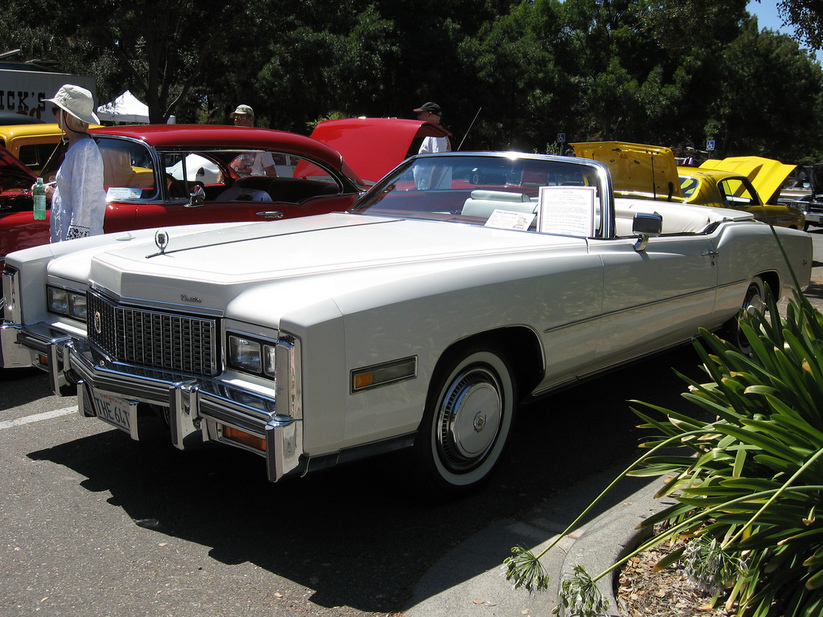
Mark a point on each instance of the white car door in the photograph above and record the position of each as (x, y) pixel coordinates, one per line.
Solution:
(655, 297)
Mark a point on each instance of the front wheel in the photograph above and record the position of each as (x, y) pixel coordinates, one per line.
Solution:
(467, 421)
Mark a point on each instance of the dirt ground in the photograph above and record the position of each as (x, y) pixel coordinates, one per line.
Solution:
(643, 592)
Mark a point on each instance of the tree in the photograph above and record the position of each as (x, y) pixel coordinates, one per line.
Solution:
(766, 78)
(807, 18)
(158, 48)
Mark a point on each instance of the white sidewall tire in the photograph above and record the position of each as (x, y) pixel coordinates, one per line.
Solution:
(474, 446)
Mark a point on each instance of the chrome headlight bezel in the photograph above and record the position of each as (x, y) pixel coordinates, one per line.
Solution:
(250, 354)
(66, 302)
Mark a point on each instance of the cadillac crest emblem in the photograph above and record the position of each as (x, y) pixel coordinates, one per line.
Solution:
(161, 239)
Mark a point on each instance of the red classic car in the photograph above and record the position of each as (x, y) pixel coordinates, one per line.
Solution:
(165, 175)
(375, 146)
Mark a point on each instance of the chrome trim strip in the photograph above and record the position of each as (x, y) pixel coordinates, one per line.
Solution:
(156, 305)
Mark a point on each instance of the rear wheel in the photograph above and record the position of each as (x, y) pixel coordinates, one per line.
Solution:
(754, 302)
(467, 421)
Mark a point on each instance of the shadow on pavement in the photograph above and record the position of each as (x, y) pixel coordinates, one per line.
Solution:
(35, 386)
(357, 535)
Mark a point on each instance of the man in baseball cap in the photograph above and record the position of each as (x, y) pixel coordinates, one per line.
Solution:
(430, 112)
(429, 108)
(251, 163)
(243, 115)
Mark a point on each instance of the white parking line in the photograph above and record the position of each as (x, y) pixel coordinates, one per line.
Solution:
(47, 415)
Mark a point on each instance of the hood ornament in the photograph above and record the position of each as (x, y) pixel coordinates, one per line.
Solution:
(161, 239)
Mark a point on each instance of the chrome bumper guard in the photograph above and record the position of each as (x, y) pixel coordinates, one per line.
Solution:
(22, 347)
(812, 217)
(190, 402)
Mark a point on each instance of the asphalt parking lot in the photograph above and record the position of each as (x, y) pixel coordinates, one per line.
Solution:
(95, 524)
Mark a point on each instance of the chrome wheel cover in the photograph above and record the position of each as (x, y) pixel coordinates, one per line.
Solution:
(469, 419)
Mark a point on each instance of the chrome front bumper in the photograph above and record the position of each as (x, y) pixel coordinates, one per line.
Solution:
(813, 218)
(38, 345)
(197, 409)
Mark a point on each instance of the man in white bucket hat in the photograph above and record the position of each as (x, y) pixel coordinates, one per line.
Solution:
(78, 203)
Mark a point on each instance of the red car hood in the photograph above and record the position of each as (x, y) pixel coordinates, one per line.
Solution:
(13, 173)
(374, 146)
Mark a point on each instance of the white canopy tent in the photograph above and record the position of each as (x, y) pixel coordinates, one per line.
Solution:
(125, 108)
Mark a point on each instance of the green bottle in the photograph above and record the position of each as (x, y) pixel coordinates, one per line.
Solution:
(39, 193)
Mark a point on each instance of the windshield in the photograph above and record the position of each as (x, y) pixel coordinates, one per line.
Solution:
(528, 192)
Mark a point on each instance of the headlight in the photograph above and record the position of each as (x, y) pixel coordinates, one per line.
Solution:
(251, 355)
(66, 302)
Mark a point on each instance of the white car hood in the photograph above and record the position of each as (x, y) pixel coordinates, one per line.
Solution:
(309, 259)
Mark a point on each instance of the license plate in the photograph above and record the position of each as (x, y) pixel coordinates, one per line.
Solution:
(116, 411)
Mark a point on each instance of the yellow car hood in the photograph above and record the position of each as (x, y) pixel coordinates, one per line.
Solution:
(637, 169)
(767, 175)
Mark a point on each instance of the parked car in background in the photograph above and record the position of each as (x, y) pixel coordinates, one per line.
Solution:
(727, 189)
(164, 175)
(651, 171)
(805, 192)
(15, 184)
(33, 144)
(12, 117)
(638, 170)
(419, 319)
(766, 175)
(374, 146)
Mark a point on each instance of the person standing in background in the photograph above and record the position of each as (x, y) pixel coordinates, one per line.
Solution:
(78, 202)
(251, 163)
(430, 112)
(431, 175)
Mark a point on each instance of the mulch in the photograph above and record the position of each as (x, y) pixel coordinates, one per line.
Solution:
(644, 592)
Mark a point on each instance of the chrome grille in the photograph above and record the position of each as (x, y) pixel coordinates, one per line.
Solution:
(157, 339)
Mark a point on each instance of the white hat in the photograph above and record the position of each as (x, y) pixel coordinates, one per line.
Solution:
(243, 110)
(77, 101)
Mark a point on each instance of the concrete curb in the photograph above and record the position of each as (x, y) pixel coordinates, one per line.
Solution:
(470, 579)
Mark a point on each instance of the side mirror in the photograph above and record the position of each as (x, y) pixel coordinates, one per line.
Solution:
(197, 197)
(645, 225)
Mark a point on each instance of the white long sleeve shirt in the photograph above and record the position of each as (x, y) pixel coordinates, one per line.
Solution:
(78, 205)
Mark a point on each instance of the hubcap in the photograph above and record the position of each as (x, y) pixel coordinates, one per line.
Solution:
(469, 419)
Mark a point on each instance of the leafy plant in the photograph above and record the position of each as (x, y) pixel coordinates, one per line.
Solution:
(747, 481)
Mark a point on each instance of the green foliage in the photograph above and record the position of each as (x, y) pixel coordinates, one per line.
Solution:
(807, 18)
(580, 597)
(525, 571)
(667, 72)
(745, 471)
(750, 489)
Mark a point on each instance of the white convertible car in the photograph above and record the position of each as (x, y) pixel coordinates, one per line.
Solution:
(457, 287)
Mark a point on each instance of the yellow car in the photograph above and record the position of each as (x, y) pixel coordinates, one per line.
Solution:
(638, 170)
(738, 183)
(33, 144)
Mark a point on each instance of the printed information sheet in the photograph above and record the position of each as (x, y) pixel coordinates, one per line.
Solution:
(567, 210)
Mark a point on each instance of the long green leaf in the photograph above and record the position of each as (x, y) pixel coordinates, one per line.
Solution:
(752, 437)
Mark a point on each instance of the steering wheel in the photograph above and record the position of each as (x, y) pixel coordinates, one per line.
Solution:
(175, 187)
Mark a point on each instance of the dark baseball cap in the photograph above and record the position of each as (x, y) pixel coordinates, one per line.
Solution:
(432, 107)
